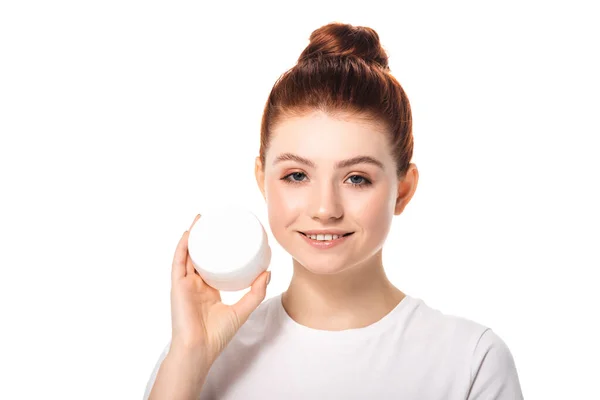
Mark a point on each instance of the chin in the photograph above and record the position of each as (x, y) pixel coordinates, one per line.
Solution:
(320, 265)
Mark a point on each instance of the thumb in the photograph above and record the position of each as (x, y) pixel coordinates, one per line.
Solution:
(251, 300)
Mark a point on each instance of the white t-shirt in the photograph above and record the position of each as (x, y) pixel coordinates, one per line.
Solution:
(414, 352)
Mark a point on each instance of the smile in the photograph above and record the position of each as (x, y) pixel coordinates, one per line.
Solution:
(326, 237)
(325, 241)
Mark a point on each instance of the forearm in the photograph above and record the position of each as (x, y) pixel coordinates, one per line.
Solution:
(180, 377)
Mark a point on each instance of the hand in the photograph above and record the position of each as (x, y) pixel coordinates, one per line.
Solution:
(200, 321)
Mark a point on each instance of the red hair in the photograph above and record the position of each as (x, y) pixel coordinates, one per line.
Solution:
(343, 69)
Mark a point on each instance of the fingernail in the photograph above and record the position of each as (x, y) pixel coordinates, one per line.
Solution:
(269, 278)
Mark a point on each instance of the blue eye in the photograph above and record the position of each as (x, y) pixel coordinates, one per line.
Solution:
(356, 176)
(299, 175)
(296, 175)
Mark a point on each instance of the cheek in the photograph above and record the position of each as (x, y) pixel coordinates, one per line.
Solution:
(374, 215)
(282, 204)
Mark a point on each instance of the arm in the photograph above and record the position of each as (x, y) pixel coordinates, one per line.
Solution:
(178, 374)
(202, 326)
(494, 373)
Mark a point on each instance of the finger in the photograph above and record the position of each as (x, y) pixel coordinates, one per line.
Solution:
(191, 270)
(251, 300)
(195, 219)
(189, 266)
(178, 266)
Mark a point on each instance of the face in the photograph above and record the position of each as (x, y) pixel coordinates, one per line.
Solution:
(305, 190)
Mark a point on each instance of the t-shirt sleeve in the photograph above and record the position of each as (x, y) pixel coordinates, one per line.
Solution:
(493, 370)
(152, 378)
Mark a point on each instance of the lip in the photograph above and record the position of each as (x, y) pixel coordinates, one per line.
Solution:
(324, 244)
(325, 231)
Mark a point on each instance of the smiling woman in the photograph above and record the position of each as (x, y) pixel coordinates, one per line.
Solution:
(344, 177)
(334, 169)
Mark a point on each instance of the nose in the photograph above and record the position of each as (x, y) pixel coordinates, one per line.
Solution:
(325, 204)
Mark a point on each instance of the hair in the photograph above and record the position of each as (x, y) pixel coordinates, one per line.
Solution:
(343, 70)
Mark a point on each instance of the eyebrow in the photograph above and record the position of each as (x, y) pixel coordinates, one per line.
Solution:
(340, 164)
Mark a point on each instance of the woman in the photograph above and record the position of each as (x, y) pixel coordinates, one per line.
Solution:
(336, 146)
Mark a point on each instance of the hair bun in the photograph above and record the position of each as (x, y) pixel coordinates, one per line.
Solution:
(338, 39)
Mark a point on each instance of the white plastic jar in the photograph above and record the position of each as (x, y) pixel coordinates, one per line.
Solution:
(229, 247)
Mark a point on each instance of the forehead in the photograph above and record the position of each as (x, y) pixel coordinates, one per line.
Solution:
(320, 136)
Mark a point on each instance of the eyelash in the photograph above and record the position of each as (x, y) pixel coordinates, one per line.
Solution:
(365, 180)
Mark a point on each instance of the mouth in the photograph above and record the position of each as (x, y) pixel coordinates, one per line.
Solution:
(325, 241)
(324, 236)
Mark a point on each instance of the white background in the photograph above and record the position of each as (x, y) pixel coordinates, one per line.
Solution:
(121, 120)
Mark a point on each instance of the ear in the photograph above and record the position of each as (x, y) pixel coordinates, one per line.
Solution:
(406, 188)
(260, 176)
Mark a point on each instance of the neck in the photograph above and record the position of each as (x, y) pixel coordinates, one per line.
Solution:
(354, 298)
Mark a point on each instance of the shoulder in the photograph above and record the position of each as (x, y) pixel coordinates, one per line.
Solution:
(471, 346)
(433, 324)
(493, 369)
(490, 343)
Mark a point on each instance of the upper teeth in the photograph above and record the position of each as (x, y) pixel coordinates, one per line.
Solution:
(324, 237)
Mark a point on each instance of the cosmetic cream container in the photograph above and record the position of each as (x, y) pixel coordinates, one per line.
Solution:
(229, 247)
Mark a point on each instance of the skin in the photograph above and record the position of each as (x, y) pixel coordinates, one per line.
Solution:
(344, 287)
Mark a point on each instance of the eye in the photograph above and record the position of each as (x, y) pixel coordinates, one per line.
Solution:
(355, 180)
(295, 175)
